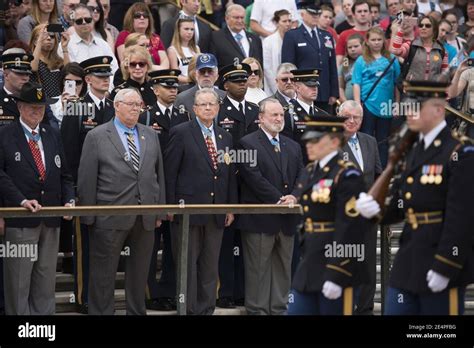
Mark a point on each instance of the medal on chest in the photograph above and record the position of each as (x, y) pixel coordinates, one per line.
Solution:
(322, 191)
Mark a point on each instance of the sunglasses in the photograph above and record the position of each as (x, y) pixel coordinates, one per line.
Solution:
(287, 79)
(425, 25)
(78, 82)
(139, 64)
(139, 15)
(256, 72)
(81, 21)
(94, 9)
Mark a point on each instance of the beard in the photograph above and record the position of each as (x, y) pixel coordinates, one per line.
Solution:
(275, 127)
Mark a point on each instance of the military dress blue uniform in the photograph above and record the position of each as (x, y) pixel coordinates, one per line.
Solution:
(161, 295)
(307, 52)
(436, 191)
(328, 197)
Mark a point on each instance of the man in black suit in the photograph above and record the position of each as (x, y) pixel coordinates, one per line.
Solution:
(87, 113)
(32, 174)
(238, 117)
(161, 118)
(268, 239)
(202, 30)
(362, 150)
(233, 43)
(198, 170)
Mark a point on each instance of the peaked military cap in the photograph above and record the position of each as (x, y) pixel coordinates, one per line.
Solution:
(99, 66)
(309, 77)
(235, 72)
(17, 62)
(322, 125)
(166, 78)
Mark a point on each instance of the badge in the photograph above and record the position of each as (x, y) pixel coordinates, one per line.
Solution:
(350, 209)
(57, 161)
(438, 176)
(227, 158)
(424, 177)
(437, 143)
(436, 58)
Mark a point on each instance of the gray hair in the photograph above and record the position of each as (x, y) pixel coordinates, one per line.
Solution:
(206, 91)
(82, 6)
(124, 93)
(285, 68)
(350, 104)
(263, 104)
(232, 8)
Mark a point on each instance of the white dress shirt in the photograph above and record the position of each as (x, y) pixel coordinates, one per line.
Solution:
(163, 108)
(357, 151)
(244, 41)
(271, 47)
(325, 160)
(236, 103)
(432, 134)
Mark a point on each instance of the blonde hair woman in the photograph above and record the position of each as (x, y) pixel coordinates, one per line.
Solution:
(255, 93)
(135, 66)
(42, 12)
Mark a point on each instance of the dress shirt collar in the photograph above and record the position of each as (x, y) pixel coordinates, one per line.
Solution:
(304, 105)
(308, 29)
(325, 160)
(236, 103)
(432, 134)
(96, 100)
(163, 108)
(123, 127)
(269, 136)
(36, 129)
(205, 130)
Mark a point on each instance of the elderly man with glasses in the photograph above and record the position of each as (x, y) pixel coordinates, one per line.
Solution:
(362, 150)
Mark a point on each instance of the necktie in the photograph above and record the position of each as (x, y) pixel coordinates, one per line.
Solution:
(419, 150)
(354, 142)
(238, 38)
(101, 105)
(311, 111)
(212, 151)
(276, 144)
(313, 34)
(132, 149)
(167, 113)
(35, 151)
(241, 108)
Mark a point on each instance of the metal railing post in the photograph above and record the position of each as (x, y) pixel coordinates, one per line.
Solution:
(182, 269)
(385, 255)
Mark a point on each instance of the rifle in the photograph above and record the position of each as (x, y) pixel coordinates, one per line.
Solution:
(399, 145)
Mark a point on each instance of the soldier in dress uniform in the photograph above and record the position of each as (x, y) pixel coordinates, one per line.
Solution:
(332, 243)
(239, 117)
(303, 108)
(82, 115)
(17, 71)
(161, 117)
(433, 195)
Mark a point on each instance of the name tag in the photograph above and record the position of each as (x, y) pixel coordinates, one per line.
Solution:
(301, 44)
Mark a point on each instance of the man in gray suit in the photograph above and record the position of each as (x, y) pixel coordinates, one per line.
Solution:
(206, 77)
(121, 164)
(362, 150)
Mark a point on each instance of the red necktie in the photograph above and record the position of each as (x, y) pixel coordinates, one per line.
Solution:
(212, 151)
(37, 156)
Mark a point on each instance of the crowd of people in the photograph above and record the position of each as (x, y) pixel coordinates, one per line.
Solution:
(109, 102)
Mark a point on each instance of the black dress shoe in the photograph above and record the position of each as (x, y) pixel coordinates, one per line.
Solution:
(240, 302)
(82, 308)
(161, 304)
(225, 302)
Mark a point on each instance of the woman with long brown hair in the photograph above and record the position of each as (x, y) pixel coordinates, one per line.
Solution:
(138, 19)
(47, 63)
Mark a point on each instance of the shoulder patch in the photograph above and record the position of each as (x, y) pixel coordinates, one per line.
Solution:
(352, 172)
(468, 149)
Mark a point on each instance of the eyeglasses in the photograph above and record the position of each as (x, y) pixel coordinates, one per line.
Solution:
(137, 64)
(353, 118)
(287, 79)
(256, 72)
(94, 9)
(78, 82)
(132, 104)
(207, 105)
(425, 25)
(139, 15)
(81, 21)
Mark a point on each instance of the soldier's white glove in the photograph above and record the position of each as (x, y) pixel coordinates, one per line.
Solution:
(331, 290)
(367, 206)
(436, 282)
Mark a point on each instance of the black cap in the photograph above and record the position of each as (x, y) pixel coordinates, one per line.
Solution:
(322, 125)
(166, 78)
(33, 93)
(235, 72)
(17, 62)
(309, 6)
(309, 77)
(426, 89)
(98, 66)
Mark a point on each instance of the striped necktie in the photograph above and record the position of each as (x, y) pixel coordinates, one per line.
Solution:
(132, 149)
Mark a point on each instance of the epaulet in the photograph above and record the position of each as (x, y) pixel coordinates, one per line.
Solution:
(110, 100)
(252, 104)
(121, 86)
(347, 169)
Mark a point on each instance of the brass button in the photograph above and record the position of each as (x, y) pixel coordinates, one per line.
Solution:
(408, 195)
(305, 208)
(42, 192)
(286, 186)
(215, 178)
(212, 194)
(305, 197)
(326, 169)
(410, 180)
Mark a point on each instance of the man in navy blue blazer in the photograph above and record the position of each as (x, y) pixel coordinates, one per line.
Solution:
(309, 47)
(267, 240)
(198, 170)
(32, 174)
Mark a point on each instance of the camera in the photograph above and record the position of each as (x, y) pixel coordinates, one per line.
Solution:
(54, 28)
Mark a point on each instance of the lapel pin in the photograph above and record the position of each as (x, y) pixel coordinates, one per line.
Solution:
(437, 143)
(43, 130)
(248, 107)
(229, 108)
(220, 136)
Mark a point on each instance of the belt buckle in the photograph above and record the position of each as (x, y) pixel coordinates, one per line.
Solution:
(412, 219)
